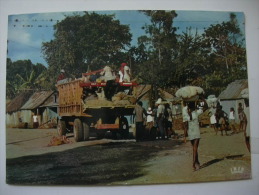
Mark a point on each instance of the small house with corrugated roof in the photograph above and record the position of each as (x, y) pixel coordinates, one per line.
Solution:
(42, 103)
(13, 108)
(231, 96)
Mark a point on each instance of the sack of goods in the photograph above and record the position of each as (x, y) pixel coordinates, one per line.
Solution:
(211, 100)
(245, 93)
(189, 93)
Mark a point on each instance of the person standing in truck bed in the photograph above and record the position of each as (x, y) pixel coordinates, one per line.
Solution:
(109, 78)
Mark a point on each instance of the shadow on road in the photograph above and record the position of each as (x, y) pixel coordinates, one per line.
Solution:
(87, 165)
(220, 159)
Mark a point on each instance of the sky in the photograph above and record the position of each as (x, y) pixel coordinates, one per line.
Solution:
(26, 32)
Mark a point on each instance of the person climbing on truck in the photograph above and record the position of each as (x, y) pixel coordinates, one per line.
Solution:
(109, 78)
(62, 75)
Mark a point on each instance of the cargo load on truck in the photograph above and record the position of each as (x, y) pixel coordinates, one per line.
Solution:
(95, 104)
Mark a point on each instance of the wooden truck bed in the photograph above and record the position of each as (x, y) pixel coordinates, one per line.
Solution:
(70, 98)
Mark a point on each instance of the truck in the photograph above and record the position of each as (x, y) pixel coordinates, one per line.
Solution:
(83, 109)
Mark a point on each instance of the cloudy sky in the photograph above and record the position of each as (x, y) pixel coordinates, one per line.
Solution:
(26, 32)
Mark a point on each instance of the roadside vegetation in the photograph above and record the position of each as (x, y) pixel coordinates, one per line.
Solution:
(161, 57)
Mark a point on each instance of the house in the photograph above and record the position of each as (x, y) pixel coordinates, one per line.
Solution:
(42, 103)
(231, 96)
(13, 112)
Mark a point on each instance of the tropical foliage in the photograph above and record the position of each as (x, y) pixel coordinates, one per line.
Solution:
(162, 57)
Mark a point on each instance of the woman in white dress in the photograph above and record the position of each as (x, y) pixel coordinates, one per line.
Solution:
(194, 132)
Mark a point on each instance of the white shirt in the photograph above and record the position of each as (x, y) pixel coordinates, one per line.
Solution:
(231, 115)
(160, 110)
(107, 71)
(35, 118)
(149, 116)
(185, 114)
(126, 74)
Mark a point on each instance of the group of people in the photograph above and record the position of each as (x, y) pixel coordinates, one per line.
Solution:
(220, 121)
(108, 75)
(153, 122)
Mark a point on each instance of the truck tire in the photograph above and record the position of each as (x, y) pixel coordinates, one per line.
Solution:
(61, 127)
(78, 130)
(86, 130)
(124, 128)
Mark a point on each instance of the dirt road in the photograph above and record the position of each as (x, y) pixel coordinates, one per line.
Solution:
(108, 162)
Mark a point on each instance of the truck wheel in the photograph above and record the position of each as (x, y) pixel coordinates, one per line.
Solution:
(124, 128)
(61, 127)
(78, 130)
(86, 131)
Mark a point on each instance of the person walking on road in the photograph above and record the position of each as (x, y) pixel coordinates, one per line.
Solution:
(139, 113)
(221, 120)
(185, 119)
(194, 132)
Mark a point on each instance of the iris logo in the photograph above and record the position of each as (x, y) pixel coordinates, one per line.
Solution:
(237, 170)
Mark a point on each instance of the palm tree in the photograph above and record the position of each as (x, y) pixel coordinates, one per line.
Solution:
(29, 83)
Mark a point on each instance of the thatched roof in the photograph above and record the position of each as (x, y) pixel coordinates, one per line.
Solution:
(36, 100)
(233, 90)
(18, 101)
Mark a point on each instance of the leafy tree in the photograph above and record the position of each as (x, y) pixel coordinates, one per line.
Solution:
(226, 43)
(227, 55)
(159, 44)
(22, 75)
(190, 58)
(89, 40)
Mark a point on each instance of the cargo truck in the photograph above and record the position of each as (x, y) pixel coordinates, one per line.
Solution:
(82, 109)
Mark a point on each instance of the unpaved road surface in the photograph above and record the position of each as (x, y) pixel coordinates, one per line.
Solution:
(122, 162)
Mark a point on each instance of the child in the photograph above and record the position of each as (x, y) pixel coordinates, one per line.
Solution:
(232, 120)
(194, 132)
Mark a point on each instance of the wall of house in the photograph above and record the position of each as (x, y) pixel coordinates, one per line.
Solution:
(227, 104)
(12, 120)
(49, 115)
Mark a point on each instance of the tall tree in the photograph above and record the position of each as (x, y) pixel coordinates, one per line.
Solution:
(86, 40)
(226, 43)
(159, 45)
(227, 54)
(190, 58)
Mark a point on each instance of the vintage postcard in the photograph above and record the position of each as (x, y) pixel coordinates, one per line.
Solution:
(127, 98)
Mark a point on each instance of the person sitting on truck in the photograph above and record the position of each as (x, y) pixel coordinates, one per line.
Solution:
(107, 74)
(125, 75)
(62, 75)
(121, 72)
(109, 78)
